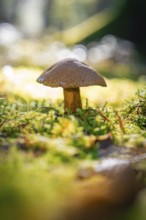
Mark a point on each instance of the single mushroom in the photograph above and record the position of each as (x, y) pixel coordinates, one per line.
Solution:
(70, 74)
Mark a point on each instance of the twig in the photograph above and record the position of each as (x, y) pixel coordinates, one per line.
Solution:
(103, 116)
(120, 122)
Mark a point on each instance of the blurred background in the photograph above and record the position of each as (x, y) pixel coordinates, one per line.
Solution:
(108, 34)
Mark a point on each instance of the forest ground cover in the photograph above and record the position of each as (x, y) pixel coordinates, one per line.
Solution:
(41, 147)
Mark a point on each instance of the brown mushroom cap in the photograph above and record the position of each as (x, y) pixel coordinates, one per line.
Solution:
(71, 73)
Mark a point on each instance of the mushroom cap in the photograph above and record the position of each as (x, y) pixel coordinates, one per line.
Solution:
(70, 73)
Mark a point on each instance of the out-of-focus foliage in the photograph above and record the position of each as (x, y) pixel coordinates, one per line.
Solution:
(49, 14)
(90, 20)
(47, 31)
(111, 56)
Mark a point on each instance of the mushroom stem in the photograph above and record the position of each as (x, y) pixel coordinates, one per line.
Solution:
(72, 99)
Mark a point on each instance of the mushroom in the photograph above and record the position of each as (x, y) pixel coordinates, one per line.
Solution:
(70, 74)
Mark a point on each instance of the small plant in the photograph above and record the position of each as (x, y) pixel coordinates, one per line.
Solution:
(136, 109)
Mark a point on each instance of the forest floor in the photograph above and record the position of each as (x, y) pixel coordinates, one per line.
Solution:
(42, 148)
